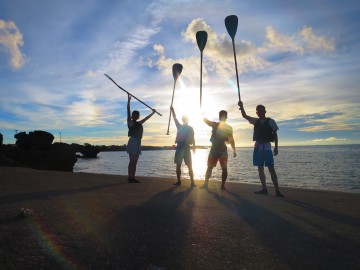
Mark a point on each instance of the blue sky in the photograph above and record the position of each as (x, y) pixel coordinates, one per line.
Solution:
(298, 58)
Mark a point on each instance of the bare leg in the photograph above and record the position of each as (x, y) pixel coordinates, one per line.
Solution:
(191, 174)
(132, 166)
(208, 175)
(273, 177)
(275, 180)
(223, 176)
(178, 174)
(262, 180)
(262, 177)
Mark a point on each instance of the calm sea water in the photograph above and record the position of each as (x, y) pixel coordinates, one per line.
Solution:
(312, 167)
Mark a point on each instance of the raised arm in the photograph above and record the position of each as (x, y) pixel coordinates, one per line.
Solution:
(147, 117)
(243, 113)
(207, 121)
(177, 123)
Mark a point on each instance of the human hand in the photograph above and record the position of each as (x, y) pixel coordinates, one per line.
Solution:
(276, 151)
(235, 154)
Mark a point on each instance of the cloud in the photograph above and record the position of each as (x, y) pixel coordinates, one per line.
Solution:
(316, 43)
(282, 42)
(217, 56)
(320, 122)
(10, 40)
(303, 41)
(218, 53)
(330, 139)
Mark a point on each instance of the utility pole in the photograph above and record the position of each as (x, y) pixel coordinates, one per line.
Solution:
(60, 136)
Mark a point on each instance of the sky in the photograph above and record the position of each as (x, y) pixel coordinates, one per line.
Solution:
(298, 58)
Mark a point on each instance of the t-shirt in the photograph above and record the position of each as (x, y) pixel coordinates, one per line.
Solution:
(221, 134)
(184, 136)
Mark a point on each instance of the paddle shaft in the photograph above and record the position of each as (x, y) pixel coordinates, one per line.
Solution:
(130, 93)
(201, 60)
(172, 100)
(237, 75)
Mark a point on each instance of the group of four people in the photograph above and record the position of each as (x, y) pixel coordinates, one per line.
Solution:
(265, 132)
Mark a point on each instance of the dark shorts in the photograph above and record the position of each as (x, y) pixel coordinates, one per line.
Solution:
(182, 154)
(215, 156)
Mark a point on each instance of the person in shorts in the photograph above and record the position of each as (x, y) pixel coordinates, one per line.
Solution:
(265, 132)
(184, 139)
(135, 135)
(222, 134)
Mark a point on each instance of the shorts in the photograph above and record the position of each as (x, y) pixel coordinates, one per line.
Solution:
(133, 146)
(215, 156)
(263, 155)
(183, 154)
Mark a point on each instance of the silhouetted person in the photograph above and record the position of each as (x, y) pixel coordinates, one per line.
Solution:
(264, 133)
(222, 134)
(184, 140)
(135, 133)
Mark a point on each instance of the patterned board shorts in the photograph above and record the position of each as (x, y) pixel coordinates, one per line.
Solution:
(215, 156)
(263, 156)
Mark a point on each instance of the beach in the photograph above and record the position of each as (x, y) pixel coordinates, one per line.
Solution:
(64, 220)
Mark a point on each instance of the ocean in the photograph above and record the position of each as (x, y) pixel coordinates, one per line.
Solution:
(335, 168)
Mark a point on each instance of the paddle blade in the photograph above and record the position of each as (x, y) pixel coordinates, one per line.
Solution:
(201, 38)
(231, 23)
(176, 70)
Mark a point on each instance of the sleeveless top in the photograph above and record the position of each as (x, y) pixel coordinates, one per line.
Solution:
(135, 130)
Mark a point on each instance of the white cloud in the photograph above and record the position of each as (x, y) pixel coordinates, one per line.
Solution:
(282, 42)
(316, 43)
(10, 40)
(330, 139)
(300, 42)
(217, 56)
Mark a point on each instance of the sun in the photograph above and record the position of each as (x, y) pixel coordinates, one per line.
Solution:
(187, 102)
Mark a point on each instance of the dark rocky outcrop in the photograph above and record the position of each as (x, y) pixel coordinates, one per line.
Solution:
(35, 150)
(89, 151)
(36, 140)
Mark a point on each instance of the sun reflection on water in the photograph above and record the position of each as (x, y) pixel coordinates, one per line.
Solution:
(199, 164)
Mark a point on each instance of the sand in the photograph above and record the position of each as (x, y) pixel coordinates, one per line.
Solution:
(89, 221)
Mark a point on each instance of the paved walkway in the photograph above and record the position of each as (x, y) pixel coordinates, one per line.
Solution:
(85, 221)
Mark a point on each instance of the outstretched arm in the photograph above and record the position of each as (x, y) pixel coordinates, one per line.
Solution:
(147, 117)
(243, 113)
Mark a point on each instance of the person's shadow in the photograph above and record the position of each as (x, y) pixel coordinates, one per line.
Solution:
(152, 233)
